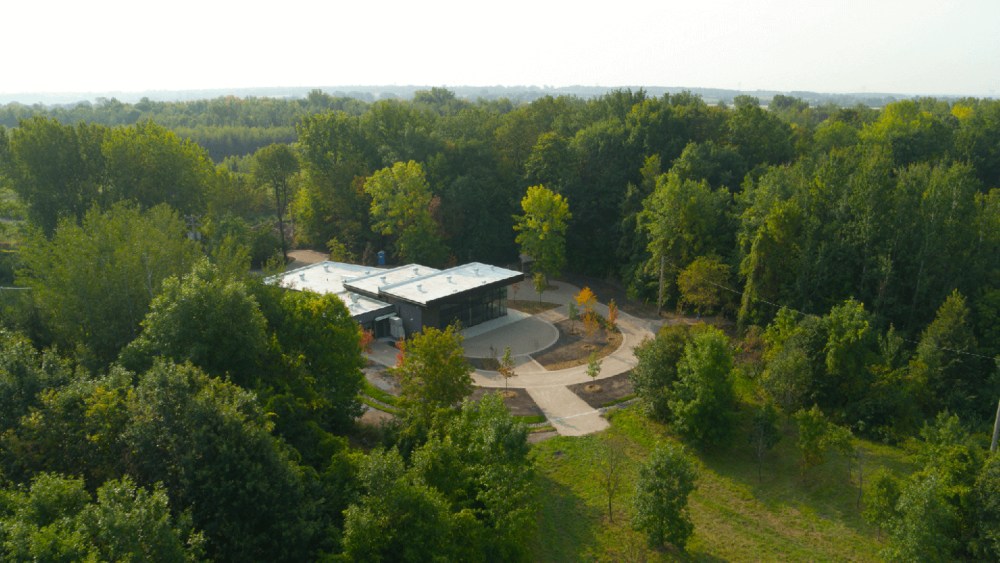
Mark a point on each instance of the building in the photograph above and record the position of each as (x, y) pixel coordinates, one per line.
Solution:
(403, 300)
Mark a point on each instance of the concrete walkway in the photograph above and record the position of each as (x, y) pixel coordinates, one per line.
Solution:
(528, 334)
(567, 412)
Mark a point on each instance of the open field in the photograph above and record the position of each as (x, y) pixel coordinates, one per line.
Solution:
(736, 515)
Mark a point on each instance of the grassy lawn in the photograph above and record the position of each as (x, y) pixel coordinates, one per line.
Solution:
(737, 516)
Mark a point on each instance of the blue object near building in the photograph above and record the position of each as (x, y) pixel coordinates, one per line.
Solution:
(381, 258)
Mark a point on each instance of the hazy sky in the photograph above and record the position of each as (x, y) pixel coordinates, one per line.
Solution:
(896, 46)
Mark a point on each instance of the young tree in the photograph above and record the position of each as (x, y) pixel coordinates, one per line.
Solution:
(506, 367)
(573, 313)
(541, 283)
(610, 461)
(661, 497)
(817, 436)
(542, 229)
(812, 427)
(612, 315)
(586, 300)
(883, 494)
(702, 402)
(764, 434)
(401, 207)
(593, 366)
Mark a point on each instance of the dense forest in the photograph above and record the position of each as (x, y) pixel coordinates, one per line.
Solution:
(851, 253)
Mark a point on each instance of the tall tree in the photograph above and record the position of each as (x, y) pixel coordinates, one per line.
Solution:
(542, 229)
(93, 282)
(685, 219)
(702, 401)
(274, 166)
(150, 165)
(56, 169)
(192, 319)
(655, 373)
(56, 519)
(402, 207)
(953, 379)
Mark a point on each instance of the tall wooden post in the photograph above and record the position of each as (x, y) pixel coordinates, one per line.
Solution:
(996, 430)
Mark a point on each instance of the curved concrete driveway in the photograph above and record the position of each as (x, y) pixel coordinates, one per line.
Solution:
(568, 413)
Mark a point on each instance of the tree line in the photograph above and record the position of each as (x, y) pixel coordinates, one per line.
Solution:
(858, 251)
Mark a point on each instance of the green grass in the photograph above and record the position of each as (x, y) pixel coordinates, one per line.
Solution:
(619, 400)
(378, 394)
(377, 405)
(737, 516)
(530, 418)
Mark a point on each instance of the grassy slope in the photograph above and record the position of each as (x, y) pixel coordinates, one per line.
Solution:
(781, 516)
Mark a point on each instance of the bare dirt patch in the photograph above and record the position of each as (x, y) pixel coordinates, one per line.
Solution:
(573, 348)
(519, 403)
(610, 389)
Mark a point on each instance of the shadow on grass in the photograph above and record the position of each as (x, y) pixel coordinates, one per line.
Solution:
(565, 522)
(828, 490)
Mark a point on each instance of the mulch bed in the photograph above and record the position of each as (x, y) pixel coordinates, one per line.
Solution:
(575, 349)
(531, 307)
(521, 404)
(612, 388)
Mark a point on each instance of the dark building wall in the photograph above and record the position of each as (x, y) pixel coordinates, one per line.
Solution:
(412, 315)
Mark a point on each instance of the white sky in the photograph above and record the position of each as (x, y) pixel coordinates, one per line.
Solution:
(895, 46)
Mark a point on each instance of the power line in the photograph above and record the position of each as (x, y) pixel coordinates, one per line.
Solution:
(952, 350)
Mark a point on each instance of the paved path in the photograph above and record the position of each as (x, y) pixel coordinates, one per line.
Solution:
(528, 334)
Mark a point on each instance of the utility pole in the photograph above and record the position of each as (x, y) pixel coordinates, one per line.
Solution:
(996, 430)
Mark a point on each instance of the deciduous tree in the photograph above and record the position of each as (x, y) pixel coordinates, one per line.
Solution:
(541, 231)
(93, 282)
(401, 207)
(433, 371)
(702, 402)
(274, 166)
(661, 497)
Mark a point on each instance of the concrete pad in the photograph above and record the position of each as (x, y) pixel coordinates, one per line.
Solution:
(568, 413)
(526, 336)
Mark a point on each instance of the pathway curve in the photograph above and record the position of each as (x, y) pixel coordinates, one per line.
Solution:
(567, 412)
(527, 334)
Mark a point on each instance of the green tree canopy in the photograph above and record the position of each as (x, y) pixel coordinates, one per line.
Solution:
(402, 207)
(661, 496)
(56, 519)
(541, 231)
(274, 166)
(433, 371)
(192, 319)
(94, 282)
(702, 401)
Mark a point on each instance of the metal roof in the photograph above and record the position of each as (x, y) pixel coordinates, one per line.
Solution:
(360, 286)
(329, 277)
(438, 285)
(373, 283)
